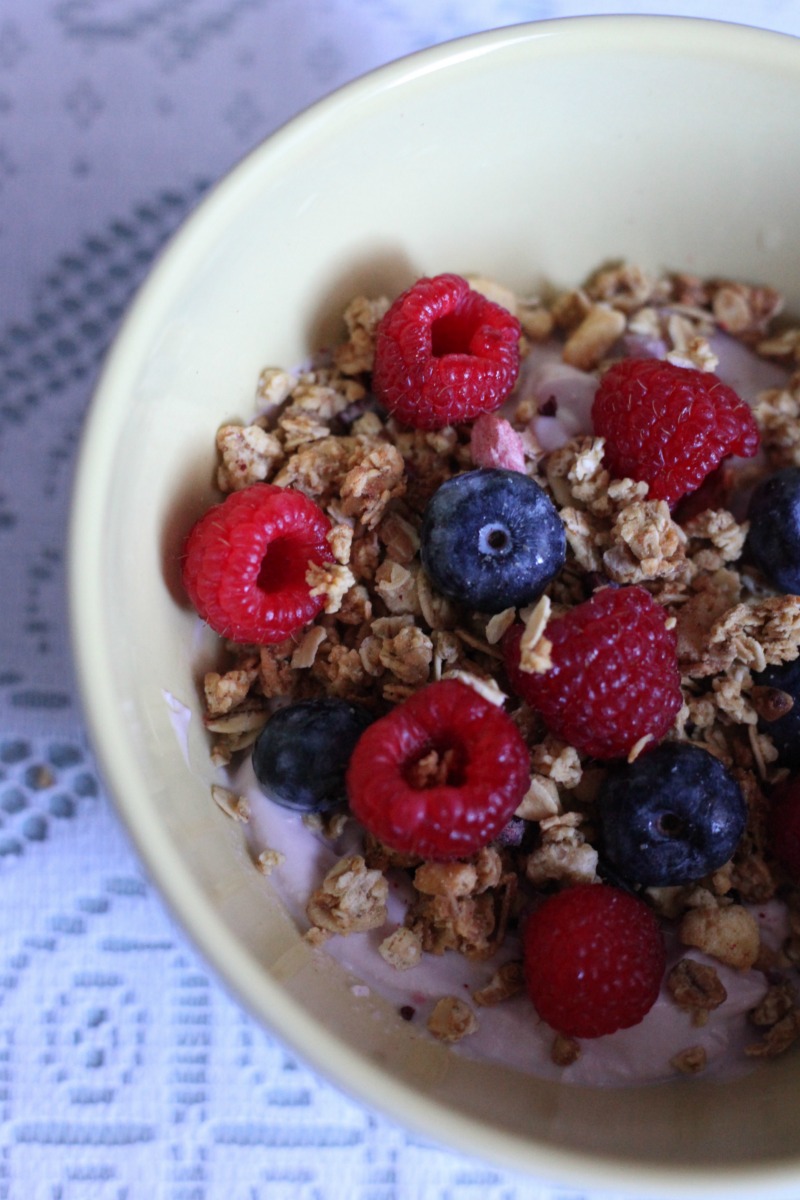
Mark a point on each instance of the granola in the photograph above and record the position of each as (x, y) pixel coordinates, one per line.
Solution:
(385, 632)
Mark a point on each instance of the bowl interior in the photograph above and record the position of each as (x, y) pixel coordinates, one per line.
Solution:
(531, 154)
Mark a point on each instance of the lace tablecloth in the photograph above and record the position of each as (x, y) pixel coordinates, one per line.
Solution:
(125, 1069)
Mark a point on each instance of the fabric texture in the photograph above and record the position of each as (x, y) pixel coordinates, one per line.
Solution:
(126, 1070)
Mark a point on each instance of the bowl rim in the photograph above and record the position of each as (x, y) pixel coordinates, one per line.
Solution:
(259, 994)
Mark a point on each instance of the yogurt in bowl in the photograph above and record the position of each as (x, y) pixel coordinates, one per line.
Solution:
(641, 114)
(439, 933)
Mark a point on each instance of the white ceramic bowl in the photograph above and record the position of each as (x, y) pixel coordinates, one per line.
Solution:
(529, 154)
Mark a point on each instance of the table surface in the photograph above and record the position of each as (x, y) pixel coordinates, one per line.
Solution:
(126, 1070)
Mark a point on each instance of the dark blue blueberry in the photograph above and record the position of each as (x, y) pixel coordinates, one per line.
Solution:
(491, 539)
(779, 709)
(774, 538)
(301, 755)
(673, 815)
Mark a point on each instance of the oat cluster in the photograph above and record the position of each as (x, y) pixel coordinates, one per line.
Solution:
(385, 633)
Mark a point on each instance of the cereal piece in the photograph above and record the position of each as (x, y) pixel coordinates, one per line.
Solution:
(248, 455)
(564, 854)
(777, 413)
(764, 632)
(340, 539)
(398, 586)
(331, 580)
(361, 317)
(446, 879)
(778, 1038)
(729, 934)
(400, 538)
(234, 806)
(376, 478)
(557, 761)
(408, 655)
(402, 949)
(350, 899)
(743, 310)
(452, 1019)
(268, 860)
(625, 286)
(777, 1002)
(226, 692)
(645, 543)
(690, 1061)
(506, 982)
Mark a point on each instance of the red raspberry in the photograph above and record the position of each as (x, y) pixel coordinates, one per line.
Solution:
(594, 959)
(784, 826)
(668, 425)
(614, 675)
(444, 353)
(441, 774)
(245, 562)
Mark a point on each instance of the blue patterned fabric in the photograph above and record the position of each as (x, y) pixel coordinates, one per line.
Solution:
(125, 1070)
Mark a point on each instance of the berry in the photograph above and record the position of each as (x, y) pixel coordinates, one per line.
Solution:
(669, 426)
(773, 541)
(614, 675)
(784, 826)
(671, 816)
(594, 959)
(245, 563)
(444, 353)
(778, 696)
(491, 539)
(301, 755)
(441, 775)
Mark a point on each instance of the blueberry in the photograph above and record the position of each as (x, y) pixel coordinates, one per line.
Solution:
(779, 710)
(301, 755)
(671, 816)
(491, 539)
(774, 538)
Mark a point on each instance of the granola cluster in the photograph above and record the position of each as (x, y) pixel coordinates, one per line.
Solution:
(385, 633)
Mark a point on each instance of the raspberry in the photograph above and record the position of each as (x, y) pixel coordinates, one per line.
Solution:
(441, 774)
(245, 563)
(784, 826)
(444, 353)
(594, 959)
(669, 426)
(614, 676)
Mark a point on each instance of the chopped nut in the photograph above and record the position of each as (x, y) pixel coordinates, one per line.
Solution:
(534, 648)
(729, 934)
(565, 1050)
(695, 986)
(593, 338)
(234, 806)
